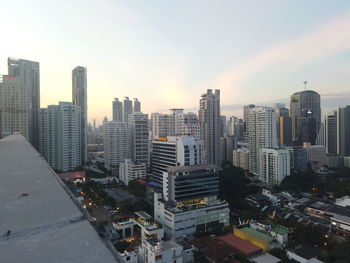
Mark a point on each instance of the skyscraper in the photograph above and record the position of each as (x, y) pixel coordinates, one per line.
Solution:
(137, 105)
(60, 139)
(283, 126)
(262, 133)
(209, 121)
(305, 112)
(117, 107)
(138, 145)
(127, 109)
(246, 111)
(344, 131)
(115, 143)
(79, 98)
(21, 103)
(332, 132)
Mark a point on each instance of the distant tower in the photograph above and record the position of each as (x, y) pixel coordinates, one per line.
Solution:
(117, 110)
(127, 109)
(115, 143)
(209, 121)
(305, 112)
(79, 98)
(262, 133)
(137, 105)
(138, 139)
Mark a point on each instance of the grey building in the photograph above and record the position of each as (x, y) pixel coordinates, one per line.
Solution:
(79, 98)
(117, 107)
(246, 111)
(305, 112)
(127, 109)
(137, 105)
(332, 132)
(27, 75)
(60, 139)
(344, 131)
(138, 136)
(190, 182)
(227, 145)
(209, 121)
(298, 158)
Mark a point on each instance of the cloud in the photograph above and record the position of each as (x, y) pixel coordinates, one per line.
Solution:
(330, 38)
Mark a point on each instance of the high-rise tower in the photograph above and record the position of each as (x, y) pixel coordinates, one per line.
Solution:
(117, 107)
(209, 121)
(79, 98)
(262, 133)
(24, 75)
(127, 109)
(305, 112)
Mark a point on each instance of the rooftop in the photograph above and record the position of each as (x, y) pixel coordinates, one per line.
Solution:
(190, 168)
(264, 258)
(240, 245)
(40, 221)
(257, 234)
(213, 248)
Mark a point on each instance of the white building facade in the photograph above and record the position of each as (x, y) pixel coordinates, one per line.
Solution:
(175, 150)
(115, 143)
(60, 139)
(261, 133)
(129, 171)
(274, 165)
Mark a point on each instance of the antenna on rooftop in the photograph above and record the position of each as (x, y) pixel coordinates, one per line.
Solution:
(305, 82)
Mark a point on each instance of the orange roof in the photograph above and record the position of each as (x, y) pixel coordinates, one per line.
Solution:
(240, 245)
(141, 181)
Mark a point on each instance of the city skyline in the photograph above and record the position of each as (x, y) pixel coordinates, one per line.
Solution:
(137, 51)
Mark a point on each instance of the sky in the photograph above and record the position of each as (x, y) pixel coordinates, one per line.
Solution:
(168, 53)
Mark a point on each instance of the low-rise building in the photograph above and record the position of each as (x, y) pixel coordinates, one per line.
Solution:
(240, 245)
(149, 228)
(260, 239)
(189, 202)
(214, 249)
(153, 250)
(130, 255)
(129, 171)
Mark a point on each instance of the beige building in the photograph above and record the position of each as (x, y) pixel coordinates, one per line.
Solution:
(241, 158)
(13, 106)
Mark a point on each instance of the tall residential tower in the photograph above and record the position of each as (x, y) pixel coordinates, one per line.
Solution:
(79, 98)
(20, 99)
(209, 121)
